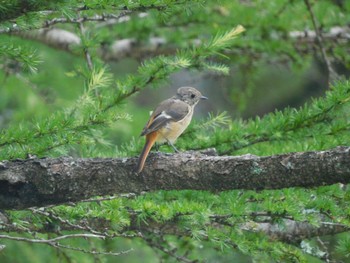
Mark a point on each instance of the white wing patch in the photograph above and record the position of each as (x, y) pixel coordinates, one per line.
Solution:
(163, 114)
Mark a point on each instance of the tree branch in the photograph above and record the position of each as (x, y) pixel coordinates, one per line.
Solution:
(332, 74)
(53, 242)
(85, 49)
(41, 182)
(124, 10)
(83, 19)
(132, 48)
(285, 230)
(291, 231)
(160, 245)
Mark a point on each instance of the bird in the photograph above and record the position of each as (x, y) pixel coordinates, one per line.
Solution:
(169, 120)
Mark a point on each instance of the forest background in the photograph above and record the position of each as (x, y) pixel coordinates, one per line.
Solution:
(79, 79)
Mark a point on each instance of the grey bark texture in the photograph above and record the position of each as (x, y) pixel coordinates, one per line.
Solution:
(42, 182)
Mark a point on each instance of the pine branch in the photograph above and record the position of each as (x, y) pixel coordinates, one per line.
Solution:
(276, 227)
(286, 125)
(13, 9)
(85, 49)
(26, 57)
(150, 73)
(68, 225)
(28, 137)
(161, 67)
(123, 9)
(160, 245)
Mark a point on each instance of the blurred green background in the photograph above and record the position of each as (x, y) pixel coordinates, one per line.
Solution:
(268, 70)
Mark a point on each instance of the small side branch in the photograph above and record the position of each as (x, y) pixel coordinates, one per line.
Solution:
(85, 49)
(54, 243)
(332, 74)
(53, 240)
(66, 20)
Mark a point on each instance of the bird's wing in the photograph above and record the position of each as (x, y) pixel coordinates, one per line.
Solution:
(168, 110)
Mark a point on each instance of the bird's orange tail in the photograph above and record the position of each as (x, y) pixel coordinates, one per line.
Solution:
(150, 140)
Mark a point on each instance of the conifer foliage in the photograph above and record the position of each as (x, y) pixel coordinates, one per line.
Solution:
(70, 74)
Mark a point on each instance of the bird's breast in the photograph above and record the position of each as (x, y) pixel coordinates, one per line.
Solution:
(172, 130)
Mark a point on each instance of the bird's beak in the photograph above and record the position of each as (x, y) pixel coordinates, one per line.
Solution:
(204, 98)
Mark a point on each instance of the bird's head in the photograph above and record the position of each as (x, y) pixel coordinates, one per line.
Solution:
(189, 95)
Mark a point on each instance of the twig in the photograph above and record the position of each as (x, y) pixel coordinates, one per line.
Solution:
(169, 252)
(96, 18)
(108, 198)
(79, 20)
(332, 74)
(92, 252)
(326, 257)
(114, 21)
(251, 139)
(123, 95)
(66, 20)
(79, 227)
(52, 240)
(85, 49)
(283, 8)
(88, 56)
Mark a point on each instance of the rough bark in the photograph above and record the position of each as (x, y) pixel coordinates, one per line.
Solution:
(41, 182)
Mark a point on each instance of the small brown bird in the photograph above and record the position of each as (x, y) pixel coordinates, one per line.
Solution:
(169, 120)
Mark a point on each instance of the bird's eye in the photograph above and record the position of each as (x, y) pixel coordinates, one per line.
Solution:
(192, 96)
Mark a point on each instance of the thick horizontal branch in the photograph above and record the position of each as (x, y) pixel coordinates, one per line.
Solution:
(41, 182)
